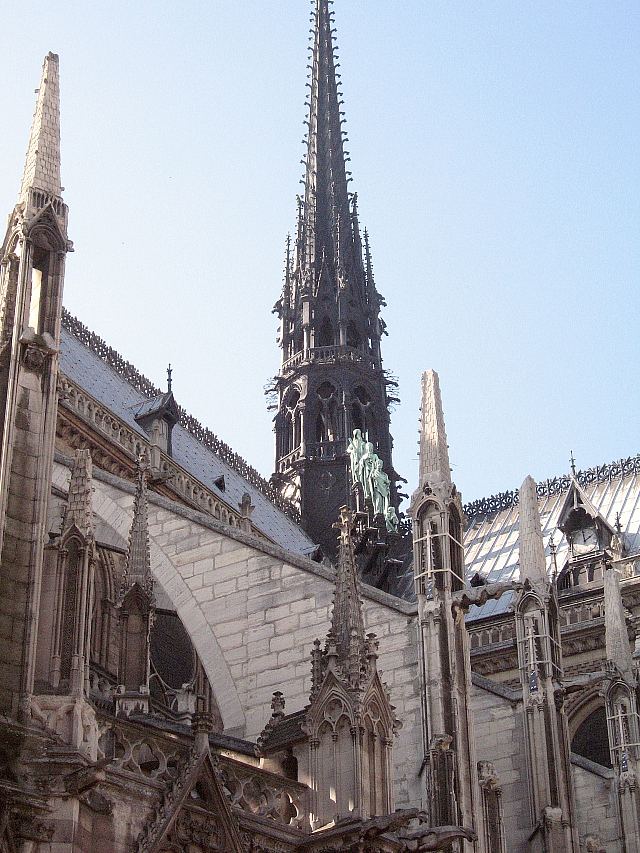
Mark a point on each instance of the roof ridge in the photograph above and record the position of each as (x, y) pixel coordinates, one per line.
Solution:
(204, 435)
(555, 486)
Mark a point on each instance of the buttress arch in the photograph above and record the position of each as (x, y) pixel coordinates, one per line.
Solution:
(113, 508)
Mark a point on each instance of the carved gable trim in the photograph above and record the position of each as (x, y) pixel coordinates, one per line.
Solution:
(194, 811)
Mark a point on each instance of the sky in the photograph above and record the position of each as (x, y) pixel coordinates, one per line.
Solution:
(494, 149)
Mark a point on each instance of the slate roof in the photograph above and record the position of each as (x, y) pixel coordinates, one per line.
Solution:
(86, 368)
(284, 733)
(491, 537)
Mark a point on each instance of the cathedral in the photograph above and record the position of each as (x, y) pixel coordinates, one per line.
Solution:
(195, 658)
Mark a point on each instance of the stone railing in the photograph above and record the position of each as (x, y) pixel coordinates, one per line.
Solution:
(577, 613)
(74, 399)
(325, 355)
(555, 486)
(265, 795)
(39, 199)
(492, 634)
(287, 461)
(325, 449)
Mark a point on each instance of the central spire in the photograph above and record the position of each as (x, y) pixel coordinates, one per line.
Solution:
(327, 215)
(331, 380)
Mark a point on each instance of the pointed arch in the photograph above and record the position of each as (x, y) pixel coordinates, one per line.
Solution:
(117, 517)
(354, 338)
(326, 333)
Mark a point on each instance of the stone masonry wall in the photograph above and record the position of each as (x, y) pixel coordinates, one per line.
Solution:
(596, 808)
(253, 612)
(499, 735)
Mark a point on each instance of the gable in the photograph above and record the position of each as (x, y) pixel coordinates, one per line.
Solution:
(194, 815)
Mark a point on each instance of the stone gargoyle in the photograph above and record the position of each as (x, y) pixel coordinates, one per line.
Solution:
(479, 595)
(433, 838)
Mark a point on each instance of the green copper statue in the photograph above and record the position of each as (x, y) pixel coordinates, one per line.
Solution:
(366, 469)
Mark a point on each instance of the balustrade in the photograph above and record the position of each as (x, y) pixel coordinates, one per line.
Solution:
(323, 355)
(265, 794)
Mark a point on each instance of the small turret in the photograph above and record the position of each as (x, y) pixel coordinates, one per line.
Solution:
(350, 719)
(136, 609)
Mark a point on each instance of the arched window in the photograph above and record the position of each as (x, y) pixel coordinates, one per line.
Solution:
(362, 415)
(591, 739)
(70, 607)
(327, 414)
(456, 553)
(428, 548)
(101, 634)
(291, 431)
(353, 336)
(326, 336)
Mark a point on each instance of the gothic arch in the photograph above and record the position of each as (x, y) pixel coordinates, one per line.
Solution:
(325, 413)
(118, 519)
(589, 735)
(363, 414)
(326, 333)
(354, 338)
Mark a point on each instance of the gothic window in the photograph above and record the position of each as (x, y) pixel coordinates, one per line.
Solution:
(374, 762)
(344, 767)
(134, 640)
(73, 571)
(353, 336)
(290, 765)
(101, 620)
(327, 414)
(362, 416)
(326, 336)
(591, 739)
(292, 434)
(455, 547)
(428, 548)
(491, 807)
(38, 277)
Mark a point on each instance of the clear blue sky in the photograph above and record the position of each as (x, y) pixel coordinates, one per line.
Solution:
(495, 151)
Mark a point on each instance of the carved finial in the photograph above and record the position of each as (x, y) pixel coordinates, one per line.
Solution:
(277, 706)
(246, 509)
(347, 624)
(618, 524)
(533, 564)
(434, 451)
(78, 511)
(573, 465)
(201, 726)
(138, 560)
(42, 165)
(554, 562)
(615, 625)
(169, 378)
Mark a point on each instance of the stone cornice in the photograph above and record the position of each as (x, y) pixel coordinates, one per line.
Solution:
(407, 608)
(113, 433)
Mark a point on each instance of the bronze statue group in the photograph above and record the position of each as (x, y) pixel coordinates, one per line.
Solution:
(366, 469)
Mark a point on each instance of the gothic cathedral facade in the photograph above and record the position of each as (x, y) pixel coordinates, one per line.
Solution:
(194, 658)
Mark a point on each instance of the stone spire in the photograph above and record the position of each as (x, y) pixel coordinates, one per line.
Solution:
(615, 626)
(331, 380)
(533, 564)
(434, 450)
(347, 625)
(138, 562)
(78, 512)
(327, 218)
(42, 166)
